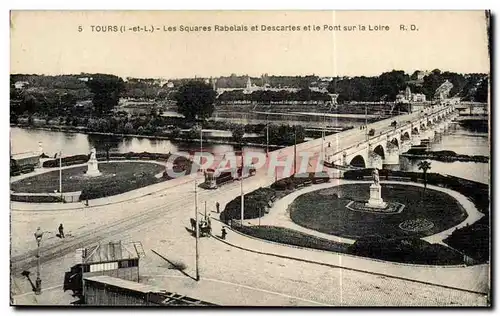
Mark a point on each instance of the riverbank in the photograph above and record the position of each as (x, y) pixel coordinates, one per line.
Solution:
(83, 130)
(445, 156)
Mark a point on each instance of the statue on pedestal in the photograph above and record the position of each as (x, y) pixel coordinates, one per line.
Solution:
(93, 154)
(93, 170)
(375, 200)
(376, 179)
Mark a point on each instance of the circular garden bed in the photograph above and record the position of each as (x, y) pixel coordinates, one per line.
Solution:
(425, 213)
(115, 178)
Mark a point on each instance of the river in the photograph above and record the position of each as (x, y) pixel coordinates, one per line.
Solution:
(462, 141)
(458, 139)
(25, 140)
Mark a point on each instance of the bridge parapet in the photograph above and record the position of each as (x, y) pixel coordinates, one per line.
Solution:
(401, 134)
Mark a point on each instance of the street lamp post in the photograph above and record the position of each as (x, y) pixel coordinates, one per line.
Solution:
(267, 136)
(241, 189)
(38, 282)
(294, 150)
(60, 174)
(197, 230)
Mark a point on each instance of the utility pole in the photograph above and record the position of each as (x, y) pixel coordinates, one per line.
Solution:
(267, 135)
(197, 229)
(294, 150)
(366, 122)
(60, 174)
(38, 282)
(201, 144)
(241, 189)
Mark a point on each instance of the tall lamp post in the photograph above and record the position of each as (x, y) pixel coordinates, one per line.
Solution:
(60, 175)
(38, 282)
(267, 135)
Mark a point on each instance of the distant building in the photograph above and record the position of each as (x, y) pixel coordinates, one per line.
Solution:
(408, 93)
(84, 104)
(419, 75)
(418, 97)
(443, 91)
(20, 84)
(407, 96)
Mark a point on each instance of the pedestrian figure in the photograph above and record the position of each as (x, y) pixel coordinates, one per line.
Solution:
(217, 206)
(61, 231)
(223, 233)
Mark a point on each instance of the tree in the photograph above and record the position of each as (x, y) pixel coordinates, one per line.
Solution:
(106, 90)
(238, 131)
(424, 165)
(128, 128)
(195, 99)
(482, 91)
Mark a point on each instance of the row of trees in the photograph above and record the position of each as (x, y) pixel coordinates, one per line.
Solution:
(267, 96)
(368, 89)
(386, 86)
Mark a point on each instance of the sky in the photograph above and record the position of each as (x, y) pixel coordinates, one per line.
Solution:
(50, 42)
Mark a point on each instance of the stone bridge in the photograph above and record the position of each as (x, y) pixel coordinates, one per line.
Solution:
(388, 138)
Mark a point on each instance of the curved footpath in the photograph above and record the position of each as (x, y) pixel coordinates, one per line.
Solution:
(472, 278)
(279, 215)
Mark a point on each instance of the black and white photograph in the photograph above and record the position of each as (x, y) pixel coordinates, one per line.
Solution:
(250, 158)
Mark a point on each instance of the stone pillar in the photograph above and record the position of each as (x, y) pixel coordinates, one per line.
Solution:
(374, 161)
(392, 154)
(415, 139)
(405, 146)
(429, 134)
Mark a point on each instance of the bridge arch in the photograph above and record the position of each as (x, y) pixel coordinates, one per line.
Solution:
(379, 150)
(405, 136)
(358, 161)
(415, 130)
(395, 141)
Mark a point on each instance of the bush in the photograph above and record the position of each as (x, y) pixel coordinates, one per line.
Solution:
(116, 187)
(299, 180)
(66, 161)
(35, 198)
(473, 240)
(406, 250)
(256, 204)
(291, 237)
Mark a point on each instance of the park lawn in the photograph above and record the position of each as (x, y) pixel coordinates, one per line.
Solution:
(73, 179)
(322, 211)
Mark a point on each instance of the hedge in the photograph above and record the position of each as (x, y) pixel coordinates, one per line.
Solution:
(256, 204)
(99, 190)
(405, 250)
(35, 198)
(299, 180)
(15, 170)
(66, 161)
(473, 240)
(292, 237)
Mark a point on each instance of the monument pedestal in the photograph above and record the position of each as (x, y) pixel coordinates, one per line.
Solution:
(93, 170)
(375, 200)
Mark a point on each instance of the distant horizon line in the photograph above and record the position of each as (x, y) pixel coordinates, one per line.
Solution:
(244, 75)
